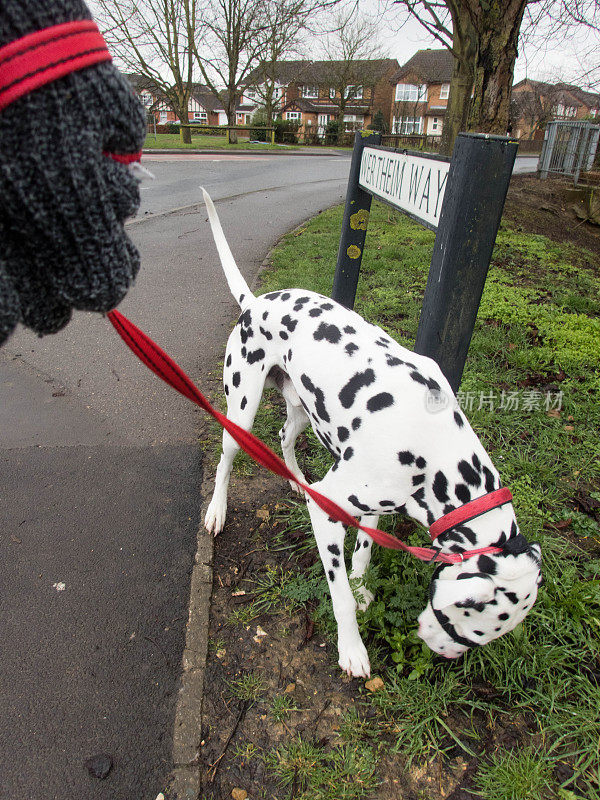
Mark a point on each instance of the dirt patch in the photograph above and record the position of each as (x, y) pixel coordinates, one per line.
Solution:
(551, 208)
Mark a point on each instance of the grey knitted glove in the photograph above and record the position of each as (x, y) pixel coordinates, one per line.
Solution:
(62, 202)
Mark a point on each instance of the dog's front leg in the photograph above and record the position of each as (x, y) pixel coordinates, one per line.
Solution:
(353, 657)
(361, 559)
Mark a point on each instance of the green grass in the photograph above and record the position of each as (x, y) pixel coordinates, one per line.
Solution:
(172, 141)
(537, 335)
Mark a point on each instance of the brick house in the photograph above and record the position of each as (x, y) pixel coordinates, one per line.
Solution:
(203, 107)
(310, 92)
(535, 103)
(420, 94)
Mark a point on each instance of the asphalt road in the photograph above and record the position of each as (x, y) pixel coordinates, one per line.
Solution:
(100, 471)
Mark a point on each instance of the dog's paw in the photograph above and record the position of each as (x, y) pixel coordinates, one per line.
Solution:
(214, 521)
(363, 598)
(298, 489)
(354, 660)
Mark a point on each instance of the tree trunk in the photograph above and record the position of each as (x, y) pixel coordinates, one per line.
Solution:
(485, 38)
(185, 133)
(494, 69)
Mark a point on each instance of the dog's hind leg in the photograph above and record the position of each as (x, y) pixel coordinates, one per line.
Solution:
(353, 657)
(243, 399)
(296, 422)
(361, 559)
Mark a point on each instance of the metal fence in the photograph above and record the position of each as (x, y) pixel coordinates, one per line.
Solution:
(569, 148)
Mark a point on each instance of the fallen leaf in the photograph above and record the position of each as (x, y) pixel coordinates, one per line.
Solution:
(554, 412)
(374, 684)
(291, 687)
(568, 427)
(239, 794)
(263, 513)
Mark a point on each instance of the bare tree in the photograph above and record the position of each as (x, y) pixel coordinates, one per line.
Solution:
(286, 23)
(483, 36)
(155, 38)
(353, 61)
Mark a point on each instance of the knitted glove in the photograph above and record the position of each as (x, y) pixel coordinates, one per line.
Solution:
(62, 202)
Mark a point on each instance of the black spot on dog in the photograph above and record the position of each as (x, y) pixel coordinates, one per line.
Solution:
(462, 492)
(285, 296)
(300, 302)
(283, 335)
(381, 342)
(356, 502)
(326, 306)
(349, 329)
(289, 323)
(440, 486)
(512, 597)
(289, 355)
(315, 312)
(331, 575)
(417, 480)
(487, 565)
(390, 503)
(420, 463)
(244, 351)
(458, 419)
(380, 401)
(226, 389)
(267, 334)
(333, 548)
(348, 453)
(244, 402)
(419, 497)
(490, 481)
(393, 361)
(356, 422)
(357, 546)
(329, 333)
(351, 348)
(416, 376)
(256, 355)
(343, 433)
(272, 295)
(319, 397)
(265, 314)
(335, 563)
(366, 543)
(476, 462)
(469, 474)
(236, 379)
(503, 616)
(362, 379)
(478, 633)
(228, 362)
(406, 457)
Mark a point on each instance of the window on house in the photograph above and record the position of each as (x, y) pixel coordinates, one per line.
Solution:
(408, 125)
(146, 99)
(293, 115)
(444, 91)
(353, 92)
(310, 91)
(201, 117)
(163, 116)
(332, 93)
(406, 92)
(435, 125)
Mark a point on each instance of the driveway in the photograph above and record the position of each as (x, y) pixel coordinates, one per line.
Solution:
(101, 467)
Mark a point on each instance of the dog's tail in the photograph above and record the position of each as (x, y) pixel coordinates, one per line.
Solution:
(237, 285)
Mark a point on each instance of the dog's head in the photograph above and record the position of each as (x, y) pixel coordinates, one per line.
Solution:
(479, 600)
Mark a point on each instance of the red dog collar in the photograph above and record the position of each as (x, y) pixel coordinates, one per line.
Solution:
(469, 511)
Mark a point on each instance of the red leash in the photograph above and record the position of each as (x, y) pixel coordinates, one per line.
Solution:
(162, 365)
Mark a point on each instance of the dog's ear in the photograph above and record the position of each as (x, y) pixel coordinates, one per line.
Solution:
(476, 589)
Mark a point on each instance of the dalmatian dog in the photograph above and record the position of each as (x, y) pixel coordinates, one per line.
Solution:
(369, 401)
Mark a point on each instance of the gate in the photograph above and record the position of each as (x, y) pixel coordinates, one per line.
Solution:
(569, 148)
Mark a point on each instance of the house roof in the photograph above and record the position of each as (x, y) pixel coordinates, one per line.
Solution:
(559, 91)
(320, 72)
(431, 66)
(309, 107)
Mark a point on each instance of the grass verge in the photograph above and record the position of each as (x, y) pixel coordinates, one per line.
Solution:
(522, 714)
(172, 141)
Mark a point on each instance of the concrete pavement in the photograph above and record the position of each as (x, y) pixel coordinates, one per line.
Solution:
(101, 504)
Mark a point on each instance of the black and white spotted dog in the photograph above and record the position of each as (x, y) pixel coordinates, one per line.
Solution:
(368, 401)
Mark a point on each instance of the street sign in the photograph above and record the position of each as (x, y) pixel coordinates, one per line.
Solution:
(413, 184)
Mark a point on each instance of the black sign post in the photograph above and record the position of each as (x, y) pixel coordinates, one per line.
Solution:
(463, 202)
(354, 225)
(478, 181)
